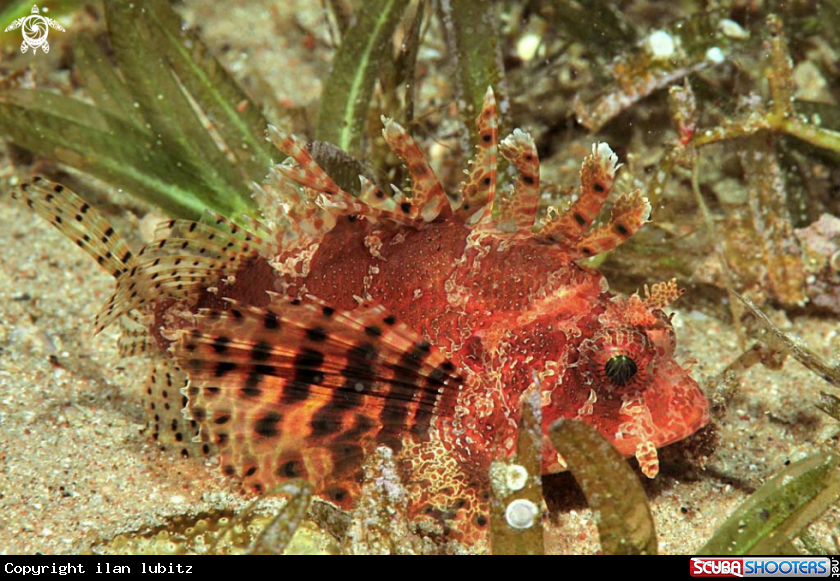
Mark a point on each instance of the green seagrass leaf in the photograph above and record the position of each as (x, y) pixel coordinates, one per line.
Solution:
(471, 30)
(347, 91)
(612, 489)
(778, 512)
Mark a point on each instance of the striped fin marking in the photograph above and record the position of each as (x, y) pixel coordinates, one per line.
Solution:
(479, 190)
(520, 209)
(428, 198)
(79, 221)
(303, 390)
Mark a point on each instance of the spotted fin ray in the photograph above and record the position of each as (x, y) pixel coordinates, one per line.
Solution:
(428, 200)
(572, 228)
(79, 221)
(134, 336)
(164, 400)
(303, 390)
(91, 232)
(518, 211)
(185, 256)
(161, 398)
(177, 265)
(479, 189)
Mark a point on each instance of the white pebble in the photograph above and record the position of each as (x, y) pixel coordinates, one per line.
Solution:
(715, 55)
(661, 44)
(521, 513)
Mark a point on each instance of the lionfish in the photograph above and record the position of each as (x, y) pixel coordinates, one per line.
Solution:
(339, 323)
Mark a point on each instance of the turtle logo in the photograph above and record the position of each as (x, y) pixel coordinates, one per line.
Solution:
(35, 29)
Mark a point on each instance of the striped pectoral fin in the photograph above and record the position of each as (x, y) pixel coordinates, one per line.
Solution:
(629, 214)
(479, 190)
(303, 390)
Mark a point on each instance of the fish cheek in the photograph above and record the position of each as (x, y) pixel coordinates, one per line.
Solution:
(677, 406)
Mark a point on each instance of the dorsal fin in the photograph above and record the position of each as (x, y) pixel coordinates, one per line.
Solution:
(629, 214)
(428, 198)
(597, 175)
(321, 199)
(479, 191)
(519, 211)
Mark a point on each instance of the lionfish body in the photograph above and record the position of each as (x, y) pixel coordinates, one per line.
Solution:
(343, 323)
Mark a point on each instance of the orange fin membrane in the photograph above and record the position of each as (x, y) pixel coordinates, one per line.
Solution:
(304, 390)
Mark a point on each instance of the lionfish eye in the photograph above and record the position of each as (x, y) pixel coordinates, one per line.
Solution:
(617, 363)
(620, 369)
